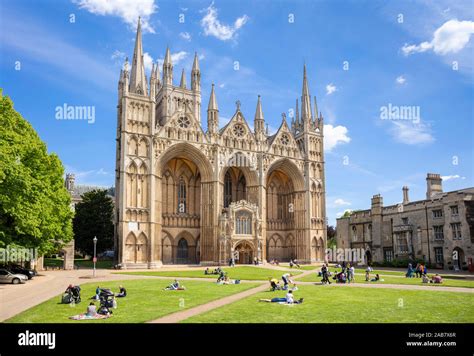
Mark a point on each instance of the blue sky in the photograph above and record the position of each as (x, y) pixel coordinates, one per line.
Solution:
(361, 56)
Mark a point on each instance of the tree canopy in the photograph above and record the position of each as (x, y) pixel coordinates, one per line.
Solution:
(94, 217)
(34, 204)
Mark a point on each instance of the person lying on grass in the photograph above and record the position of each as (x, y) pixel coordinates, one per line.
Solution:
(376, 279)
(175, 286)
(289, 299)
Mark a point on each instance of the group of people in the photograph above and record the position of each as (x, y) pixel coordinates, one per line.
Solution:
(286, 279)
(346, 275)
(419, 271)
(217, 270)
(294, 263)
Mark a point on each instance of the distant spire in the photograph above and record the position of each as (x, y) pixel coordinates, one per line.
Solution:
(182, 83)
(212, 100)
(137, 77)
(196, 74)
(305, 100)
(315, 109)
(258, 111)
(259, 121)
(212, 113)
(167, 68)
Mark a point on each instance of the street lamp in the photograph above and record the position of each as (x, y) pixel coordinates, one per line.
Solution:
(95, 258)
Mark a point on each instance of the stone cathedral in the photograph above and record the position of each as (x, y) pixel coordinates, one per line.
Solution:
(189, 196)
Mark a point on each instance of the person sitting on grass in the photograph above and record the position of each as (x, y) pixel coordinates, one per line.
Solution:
(436, 279)
(274, 284)
(289, 299)
(376, 279)
(122, 293)
(221, 276)
(91, 309)
(425, 279)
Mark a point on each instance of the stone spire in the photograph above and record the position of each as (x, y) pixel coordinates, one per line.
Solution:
(196, 75)
(315, 117)
(212, 113)
(259, 121)
(153, 82)
(305, 102)
(167, 69)
(138, 83)
(182, 83)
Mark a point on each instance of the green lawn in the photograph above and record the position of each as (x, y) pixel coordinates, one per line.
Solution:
(329, 304)
(392, 279)
(241, 272)
(145, 301)
(302, 267)
(81, 263)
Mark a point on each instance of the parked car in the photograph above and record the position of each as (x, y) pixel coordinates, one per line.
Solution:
(8, 277)
(20, 270)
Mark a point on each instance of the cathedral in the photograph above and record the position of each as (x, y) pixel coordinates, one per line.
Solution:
(189, 196)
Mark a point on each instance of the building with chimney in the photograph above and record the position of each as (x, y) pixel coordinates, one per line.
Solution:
(189, 196)
(438, 229)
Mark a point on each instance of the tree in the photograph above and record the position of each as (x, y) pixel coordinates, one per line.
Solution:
(34, 204)
(94, 217)
(331, 236)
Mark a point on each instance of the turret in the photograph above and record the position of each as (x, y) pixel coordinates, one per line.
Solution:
(259, 121)
(182, 83)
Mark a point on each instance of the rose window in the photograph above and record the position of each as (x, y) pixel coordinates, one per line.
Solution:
(183, 122)
(239, 130)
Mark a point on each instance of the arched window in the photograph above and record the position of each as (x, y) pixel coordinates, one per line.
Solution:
(242, 189)
(181, 196)
(280, 205)
(227, 189)
(243, 225)
(182, 253)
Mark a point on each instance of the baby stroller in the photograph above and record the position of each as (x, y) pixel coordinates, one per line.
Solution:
(274, 286)
(72, 295)
(106, 298)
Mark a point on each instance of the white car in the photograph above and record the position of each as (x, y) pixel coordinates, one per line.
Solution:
(8, 277)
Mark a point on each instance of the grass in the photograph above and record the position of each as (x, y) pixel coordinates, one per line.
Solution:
(329, 304)
(241, 272)
(302, 267)
(145, 301)
(400, 279)
(81, 263)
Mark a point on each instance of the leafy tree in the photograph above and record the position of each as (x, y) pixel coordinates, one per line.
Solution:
(94, 217)
(347, 213)
(34, 204)
(331, 236)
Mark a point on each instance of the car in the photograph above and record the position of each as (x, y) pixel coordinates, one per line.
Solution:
(20, 270)
(9, 277)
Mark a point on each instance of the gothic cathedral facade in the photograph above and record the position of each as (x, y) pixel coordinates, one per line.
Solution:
(189, 196)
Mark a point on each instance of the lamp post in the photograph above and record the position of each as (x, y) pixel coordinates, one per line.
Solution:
(95, 258)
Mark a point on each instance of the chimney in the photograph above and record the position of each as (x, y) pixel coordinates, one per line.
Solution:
(406, 200)
(434, 185)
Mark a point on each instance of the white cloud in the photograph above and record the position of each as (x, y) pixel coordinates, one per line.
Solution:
(128, 11)
(213, 27)
(451, 37)
(330, 88)
(456, 176)
(222, 85)
(401, 80)
(411, 133)
(118, 56)
(341, 202)
(334, 135)
(185, 36)
(147, 61)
